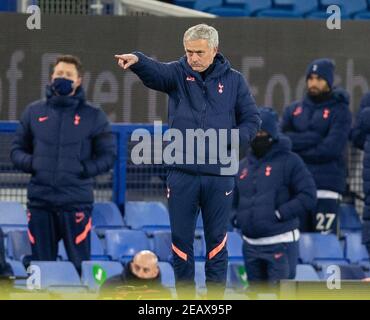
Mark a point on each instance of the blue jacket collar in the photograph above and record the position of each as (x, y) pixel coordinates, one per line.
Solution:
(221, 65)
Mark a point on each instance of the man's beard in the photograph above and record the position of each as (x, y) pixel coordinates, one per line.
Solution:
(318, 96)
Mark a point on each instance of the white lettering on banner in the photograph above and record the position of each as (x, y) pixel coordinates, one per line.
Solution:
(105, 79)
(34, 20)
(275, 80)
(247, 64)
(13, 75)
(47, 61)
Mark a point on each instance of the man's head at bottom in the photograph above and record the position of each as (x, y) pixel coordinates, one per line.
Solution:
(144, 265)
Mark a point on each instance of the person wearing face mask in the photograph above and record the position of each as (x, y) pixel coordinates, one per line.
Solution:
(63, 142)
(273, 189)
(140, 279)
(319, 127)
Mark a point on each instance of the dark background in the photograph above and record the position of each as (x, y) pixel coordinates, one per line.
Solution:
(272, 54)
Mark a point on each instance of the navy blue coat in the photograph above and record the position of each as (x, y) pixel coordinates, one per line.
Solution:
(278, 181)
(319, 133)
(360, 136)
(222, 101)
(63, 142)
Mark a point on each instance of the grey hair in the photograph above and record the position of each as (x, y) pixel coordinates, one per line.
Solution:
(202, 31)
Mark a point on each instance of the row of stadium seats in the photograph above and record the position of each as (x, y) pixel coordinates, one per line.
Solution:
(311, 9)
(115, 242)
(141, 215)
(121, 245)
(62, 277)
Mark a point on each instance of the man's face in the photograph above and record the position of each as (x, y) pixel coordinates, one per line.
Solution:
(316, 85)
(144, 268)
(67, 71)
(199, 55)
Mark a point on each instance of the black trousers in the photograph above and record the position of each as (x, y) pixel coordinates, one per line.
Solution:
(270, 263)
(46, 226)
(186, 194)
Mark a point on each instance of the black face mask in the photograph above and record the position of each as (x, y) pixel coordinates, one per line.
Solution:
(261, 145)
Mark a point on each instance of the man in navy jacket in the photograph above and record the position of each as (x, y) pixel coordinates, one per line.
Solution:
(360, 136)
(205, 93)
(64, 142)
(319, 127)
(274, 188)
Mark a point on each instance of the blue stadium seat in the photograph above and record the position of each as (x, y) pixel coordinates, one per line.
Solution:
(62, 252)
(146, 215)
(199, 224)
(162, 246)
(18, 268)
(167, 274)
(366, 268)
(252, 6)
(354, 250)
(317, 248)
(306, 272)
(59, 275)
(18, 245)
(185, 3)
(289, 9)
(8, 5)
(228, 12)
(106, 215)
(349, 219)
(234, 246)
(199, 246)
(12, 216)
(112, 268)
(348, 8)
(205, 5)
(232, 7)
(19, 272)
(124, 244)
(97, 249)
(200, 277)
(346, 272)
(365, 15)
